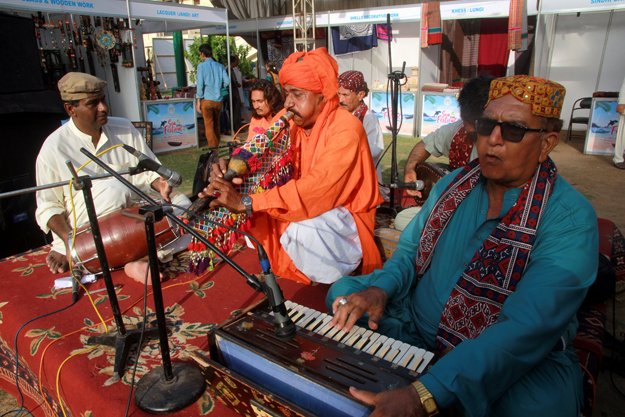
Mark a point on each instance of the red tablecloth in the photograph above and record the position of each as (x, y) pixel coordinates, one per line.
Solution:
(56, 344)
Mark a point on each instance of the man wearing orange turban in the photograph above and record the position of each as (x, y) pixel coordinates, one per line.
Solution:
(319, 225)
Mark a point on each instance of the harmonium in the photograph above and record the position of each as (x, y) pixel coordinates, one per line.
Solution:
(257, 373)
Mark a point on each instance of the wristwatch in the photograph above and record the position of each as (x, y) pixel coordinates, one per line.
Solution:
(427, 401)
(247, 202)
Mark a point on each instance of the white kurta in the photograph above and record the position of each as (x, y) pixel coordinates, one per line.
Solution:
(375, 138)
(109, 194)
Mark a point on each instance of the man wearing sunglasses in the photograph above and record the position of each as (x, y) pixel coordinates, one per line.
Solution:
(490, 274)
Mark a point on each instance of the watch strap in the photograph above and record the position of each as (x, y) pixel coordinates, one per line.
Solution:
(427, 400)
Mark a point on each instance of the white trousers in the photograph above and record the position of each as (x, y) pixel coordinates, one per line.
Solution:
(326, 247)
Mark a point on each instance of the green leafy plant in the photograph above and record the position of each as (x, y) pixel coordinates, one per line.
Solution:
(220, 52)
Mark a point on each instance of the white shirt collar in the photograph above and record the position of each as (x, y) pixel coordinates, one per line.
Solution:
(85, 138)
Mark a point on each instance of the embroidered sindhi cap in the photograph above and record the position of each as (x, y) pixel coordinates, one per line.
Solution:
(78, 85)
(353, 80)
(544, 96)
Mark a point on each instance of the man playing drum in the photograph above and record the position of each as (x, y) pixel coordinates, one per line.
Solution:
(89, 127)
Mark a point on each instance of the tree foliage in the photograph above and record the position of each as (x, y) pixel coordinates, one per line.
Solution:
(220, 52)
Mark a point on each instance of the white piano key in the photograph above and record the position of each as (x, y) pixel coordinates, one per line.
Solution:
(376, 345)
(325, 328)
(385, 347)
(426, 360)
(407, 357)
(364, 338)
(402, 351)
(299, 313)
(319, 322)
(308, 313)
(355, 337)
(332, 332)
(373, 337)
(416, 360)
(342, 338)
(339, 335)
(309, 319)
(394, 351)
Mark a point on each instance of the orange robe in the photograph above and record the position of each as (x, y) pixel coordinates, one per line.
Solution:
(258, 126)
(333, 167)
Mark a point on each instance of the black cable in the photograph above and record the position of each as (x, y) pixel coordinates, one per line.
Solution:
(17, 360)
(143, 325)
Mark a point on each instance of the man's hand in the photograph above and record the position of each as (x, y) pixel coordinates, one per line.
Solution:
(417, 155)
(198, 105)
(402, 402)
(370, 301)
(164, 189)
(225, 195)
(218, 171)
(410, 176)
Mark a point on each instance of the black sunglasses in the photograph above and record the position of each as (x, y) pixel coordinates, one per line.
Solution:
(511, 132)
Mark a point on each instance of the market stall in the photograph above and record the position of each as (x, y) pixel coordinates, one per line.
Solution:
(422, 66)
(579, 44)
(106, 35)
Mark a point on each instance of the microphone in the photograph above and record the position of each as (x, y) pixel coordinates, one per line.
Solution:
(416, 185)
(284, 326)
(173, 178)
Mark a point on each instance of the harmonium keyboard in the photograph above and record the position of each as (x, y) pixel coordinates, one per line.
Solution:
(314, 369)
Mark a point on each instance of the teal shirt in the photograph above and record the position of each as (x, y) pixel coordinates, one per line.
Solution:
(562, 265)
(211, 78)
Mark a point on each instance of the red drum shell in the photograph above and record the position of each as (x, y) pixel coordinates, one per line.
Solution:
(123, 238)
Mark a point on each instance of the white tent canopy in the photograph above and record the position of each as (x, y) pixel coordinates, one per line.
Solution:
(156, 17)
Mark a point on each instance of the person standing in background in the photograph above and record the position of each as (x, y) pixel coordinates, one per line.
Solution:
(211, 78)
(619, 146)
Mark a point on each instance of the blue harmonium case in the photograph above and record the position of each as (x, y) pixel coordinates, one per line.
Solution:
(308, 373)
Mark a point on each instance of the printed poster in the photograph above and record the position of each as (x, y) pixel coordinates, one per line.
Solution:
(173, 124)
(438, 109)
(380, 106)
(603, 124)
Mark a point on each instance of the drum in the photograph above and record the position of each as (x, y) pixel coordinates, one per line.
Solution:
(123, 237)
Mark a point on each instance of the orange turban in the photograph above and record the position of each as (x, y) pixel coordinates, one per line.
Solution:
(314, 71)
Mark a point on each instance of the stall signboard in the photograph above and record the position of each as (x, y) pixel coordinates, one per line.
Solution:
(570, 6)
(173, 124)
(438, 109)
(381, 108)
(602, 127)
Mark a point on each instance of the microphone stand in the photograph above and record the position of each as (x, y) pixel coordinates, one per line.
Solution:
(122, 339)
(174, 386)
(160, 387)
(394, 81)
